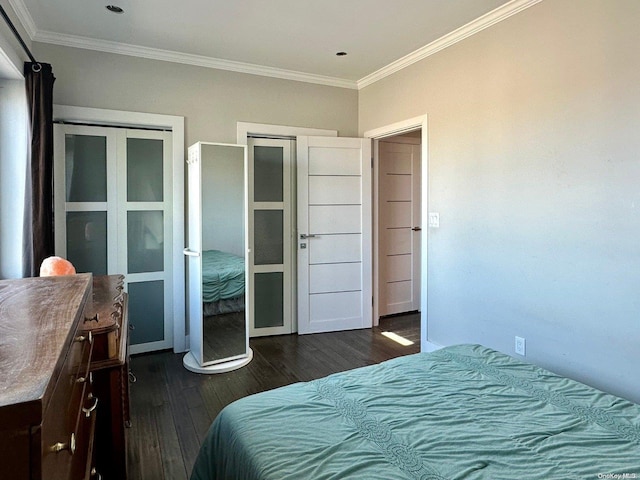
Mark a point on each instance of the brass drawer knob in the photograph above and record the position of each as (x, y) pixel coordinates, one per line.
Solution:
(85, 338)
(84, 379)
(88, 411)
(71, 446)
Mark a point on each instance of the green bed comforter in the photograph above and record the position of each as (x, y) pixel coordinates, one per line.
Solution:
(222, 276)
(463, 412)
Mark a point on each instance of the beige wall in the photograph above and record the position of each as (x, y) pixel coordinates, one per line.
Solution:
(534, 167)
(212, 101)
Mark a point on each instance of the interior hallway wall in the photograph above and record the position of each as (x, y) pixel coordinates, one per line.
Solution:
(534, 169)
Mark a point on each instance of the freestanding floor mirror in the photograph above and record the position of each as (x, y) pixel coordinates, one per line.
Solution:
(217, 258)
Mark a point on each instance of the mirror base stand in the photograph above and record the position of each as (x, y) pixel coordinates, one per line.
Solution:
(191, 364)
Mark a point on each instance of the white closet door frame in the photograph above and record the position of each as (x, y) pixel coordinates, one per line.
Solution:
(174, 124)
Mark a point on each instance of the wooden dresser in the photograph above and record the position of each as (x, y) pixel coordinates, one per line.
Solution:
(109, 325)
(47, 404)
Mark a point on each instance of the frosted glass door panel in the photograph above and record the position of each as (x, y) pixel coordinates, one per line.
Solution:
(268, 237)
(269, 300)
(86, 168)
(146, 305)
(271, 236)
(87, 241)
(268, 169)
(145, 241)
(144, 170)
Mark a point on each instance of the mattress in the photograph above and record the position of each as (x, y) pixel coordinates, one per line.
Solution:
(463, 412)
(222, 276)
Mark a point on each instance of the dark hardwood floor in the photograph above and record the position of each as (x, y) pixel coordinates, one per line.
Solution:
(172, 408)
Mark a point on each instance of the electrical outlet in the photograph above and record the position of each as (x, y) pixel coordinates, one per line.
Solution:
(520, 346)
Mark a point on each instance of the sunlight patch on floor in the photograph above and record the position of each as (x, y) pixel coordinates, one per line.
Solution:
(398, 339)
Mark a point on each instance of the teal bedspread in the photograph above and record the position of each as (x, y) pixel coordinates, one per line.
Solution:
(222, 275)
(463, 412)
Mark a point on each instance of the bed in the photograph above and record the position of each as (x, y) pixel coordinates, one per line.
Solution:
(222, 282)
(462, 412)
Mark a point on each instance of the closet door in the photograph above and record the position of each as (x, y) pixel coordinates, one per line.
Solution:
(271, 231)
(113, 214)
(144, 234)
(85, 200)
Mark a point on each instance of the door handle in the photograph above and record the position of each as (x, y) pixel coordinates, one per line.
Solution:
(304, 235)
(190, 253)
(416, 229)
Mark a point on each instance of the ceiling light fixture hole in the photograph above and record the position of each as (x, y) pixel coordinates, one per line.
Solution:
(341, 54)
(114, 9)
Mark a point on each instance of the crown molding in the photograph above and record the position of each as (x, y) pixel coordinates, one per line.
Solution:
(485, 21)
(187, 59)
(24, 16)
(495, 16)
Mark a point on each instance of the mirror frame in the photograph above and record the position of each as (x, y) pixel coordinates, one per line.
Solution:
(194, 360)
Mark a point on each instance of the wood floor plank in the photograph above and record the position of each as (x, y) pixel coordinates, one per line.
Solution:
(178, 401)
(144, 452)
(172, 460)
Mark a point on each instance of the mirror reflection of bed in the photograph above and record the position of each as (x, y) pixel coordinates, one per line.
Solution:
(223, 304)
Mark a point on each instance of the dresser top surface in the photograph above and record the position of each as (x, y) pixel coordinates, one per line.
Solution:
(36, 320)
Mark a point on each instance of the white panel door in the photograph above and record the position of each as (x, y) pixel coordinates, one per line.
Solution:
(334, 234)
(399, 203)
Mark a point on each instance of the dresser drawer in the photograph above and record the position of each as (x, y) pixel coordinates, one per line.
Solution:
(67, 418)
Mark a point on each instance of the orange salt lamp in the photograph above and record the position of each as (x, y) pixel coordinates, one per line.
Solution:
(53, 266)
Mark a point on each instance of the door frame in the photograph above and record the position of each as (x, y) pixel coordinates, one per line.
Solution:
(376, 134)
(120, 118)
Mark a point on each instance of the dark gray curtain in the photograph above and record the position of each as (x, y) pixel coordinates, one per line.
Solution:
(38, 242)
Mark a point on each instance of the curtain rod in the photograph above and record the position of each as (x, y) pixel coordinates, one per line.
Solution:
(17, 35)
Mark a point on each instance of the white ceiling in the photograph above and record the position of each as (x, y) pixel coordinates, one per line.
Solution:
(279, 37)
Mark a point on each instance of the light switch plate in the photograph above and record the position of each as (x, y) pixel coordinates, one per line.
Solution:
(434, 219)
